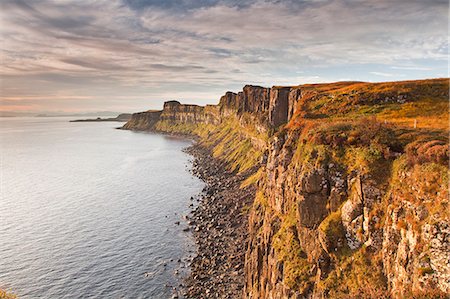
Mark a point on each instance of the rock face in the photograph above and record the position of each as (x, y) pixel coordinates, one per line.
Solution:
(142, 121)
(265, 107)
(228, 104)
(252, 99)
(343, 208)
(294, 95)
(302, 196)
(279, 106)
(416, 257)
(331, 213)
(174, 112)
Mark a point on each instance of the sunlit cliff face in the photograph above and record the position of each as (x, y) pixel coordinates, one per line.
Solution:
(133, 55)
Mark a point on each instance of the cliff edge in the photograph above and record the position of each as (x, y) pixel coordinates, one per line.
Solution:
(351, 184)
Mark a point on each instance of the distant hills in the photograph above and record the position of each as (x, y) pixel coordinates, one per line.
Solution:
(58, 114)
(15, 114)
(121, 117)
(88, 114)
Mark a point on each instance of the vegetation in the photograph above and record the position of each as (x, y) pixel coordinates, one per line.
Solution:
(231, 140)
(333, 231)
(252, 179)
(424, 184)
(260, 200)
(356, 275)
(296, 268)
(183, 128)
(233, 143)
(424, 102)
(6, 295)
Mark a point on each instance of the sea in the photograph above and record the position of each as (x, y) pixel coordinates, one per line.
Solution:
(89, 211)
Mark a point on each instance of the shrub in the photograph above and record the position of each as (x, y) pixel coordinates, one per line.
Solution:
(252, 179)
(6, 295)
(296, 269)
(333, 231)
(425, 270)
(430, 292)
(356, 275)
(423, 151)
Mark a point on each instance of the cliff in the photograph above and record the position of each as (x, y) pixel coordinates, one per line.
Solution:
(351, 180)
(142, 121)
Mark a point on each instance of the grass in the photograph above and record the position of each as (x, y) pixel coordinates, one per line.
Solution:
(424, 184)
(260, 200)
(200, 130)
(357, 275)
(7, 295)
(333, 231)
(296, 268)
(237, 142)
(400, 103)
(233, 143)
(310, 156)
(252, 179)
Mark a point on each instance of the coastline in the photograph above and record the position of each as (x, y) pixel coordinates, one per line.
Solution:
(330, 181)
(123, 117)
(219, 225)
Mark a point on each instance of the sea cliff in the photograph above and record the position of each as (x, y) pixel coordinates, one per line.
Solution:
(348, 184)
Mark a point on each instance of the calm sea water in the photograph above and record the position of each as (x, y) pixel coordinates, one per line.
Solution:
(86, 210)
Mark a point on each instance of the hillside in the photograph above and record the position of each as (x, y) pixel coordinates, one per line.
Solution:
(351, 184)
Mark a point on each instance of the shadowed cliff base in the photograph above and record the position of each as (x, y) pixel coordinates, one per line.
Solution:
(351, 183)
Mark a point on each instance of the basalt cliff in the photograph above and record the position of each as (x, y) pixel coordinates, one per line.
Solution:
(351, 183)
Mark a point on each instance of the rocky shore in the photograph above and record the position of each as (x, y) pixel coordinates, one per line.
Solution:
(220, 227)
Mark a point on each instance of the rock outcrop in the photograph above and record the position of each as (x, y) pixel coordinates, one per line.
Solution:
(259, 106)
(279, 106)
(142, 121)
(351, 184)
(174, 112)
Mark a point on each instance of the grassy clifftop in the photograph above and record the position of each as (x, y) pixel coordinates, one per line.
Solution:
(424, 102)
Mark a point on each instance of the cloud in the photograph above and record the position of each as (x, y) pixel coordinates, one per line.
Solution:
(152, 50)
(412, 68)
(382, 74)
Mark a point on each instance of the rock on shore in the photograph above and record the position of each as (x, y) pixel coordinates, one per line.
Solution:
(220, 227)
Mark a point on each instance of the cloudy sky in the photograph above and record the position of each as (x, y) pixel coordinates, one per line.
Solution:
(131, 55)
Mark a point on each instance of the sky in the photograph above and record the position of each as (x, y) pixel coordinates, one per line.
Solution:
(132, 55)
